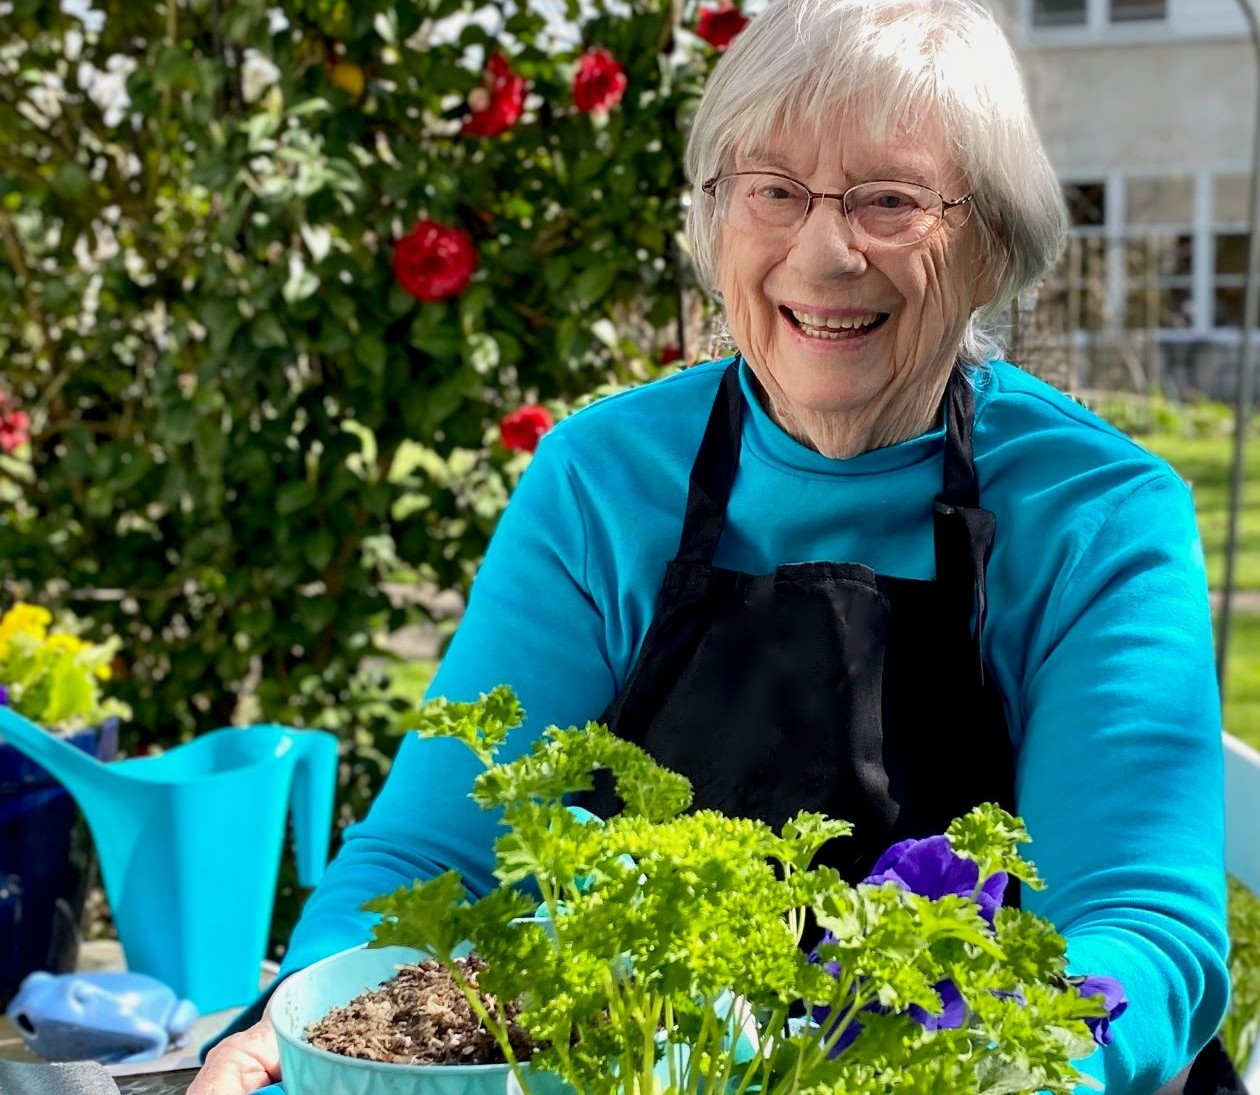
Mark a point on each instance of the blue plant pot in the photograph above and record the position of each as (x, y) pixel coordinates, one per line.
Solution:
(46, 864)
(309, 994)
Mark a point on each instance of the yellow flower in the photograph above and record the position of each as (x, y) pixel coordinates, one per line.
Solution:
(23, 619)
(29, 618)
(63, 641)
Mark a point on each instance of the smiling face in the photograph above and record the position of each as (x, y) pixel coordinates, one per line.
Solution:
(851, 342)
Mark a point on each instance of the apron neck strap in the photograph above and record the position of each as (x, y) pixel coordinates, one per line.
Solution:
(713, 473)
(959, 486)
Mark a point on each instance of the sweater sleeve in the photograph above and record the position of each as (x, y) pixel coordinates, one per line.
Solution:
(530, 623)
(1120, 782)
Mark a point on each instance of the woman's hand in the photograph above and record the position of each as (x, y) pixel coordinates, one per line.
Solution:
(240, 1064)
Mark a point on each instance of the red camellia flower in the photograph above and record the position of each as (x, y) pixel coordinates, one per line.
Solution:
(599, 83)
(15, 425)
(498, 104)
(718, 26)
(522, 428)
(434, 261)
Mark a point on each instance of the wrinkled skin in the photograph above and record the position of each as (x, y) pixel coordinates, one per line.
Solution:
(847, 396)
(242, 1063)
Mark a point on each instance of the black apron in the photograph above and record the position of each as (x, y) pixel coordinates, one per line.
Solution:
(828, 687)
(824, 686)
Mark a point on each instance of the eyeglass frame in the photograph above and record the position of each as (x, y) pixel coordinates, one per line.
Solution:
(709, 187)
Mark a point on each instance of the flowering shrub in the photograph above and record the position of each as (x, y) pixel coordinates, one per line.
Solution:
(53, 677)
(271, 275)
(666, 954)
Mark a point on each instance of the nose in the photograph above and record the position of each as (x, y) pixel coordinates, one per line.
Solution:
(825, 245)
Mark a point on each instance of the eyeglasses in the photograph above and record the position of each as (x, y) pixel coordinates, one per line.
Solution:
(890, 214)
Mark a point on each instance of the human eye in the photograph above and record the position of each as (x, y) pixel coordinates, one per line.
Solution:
(890, 199)
(773, 190)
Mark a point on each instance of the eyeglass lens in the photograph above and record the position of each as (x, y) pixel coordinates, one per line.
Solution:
(890, 212)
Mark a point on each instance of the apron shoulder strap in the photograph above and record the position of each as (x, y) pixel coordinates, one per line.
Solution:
(713, 473)
(963, 530)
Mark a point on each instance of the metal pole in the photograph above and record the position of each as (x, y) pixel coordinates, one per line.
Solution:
(1243, 401)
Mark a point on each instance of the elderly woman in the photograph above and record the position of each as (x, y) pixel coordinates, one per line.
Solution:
(863, 566)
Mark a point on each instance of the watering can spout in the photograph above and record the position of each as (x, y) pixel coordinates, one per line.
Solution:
(311, 803)
(81, 774)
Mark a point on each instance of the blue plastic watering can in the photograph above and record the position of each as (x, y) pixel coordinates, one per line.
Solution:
(189, 844)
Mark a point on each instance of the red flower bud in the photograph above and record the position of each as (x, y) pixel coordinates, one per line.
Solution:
(718, 26)
(521, 429)
(434, 261)
(501, 102)
(599, 83)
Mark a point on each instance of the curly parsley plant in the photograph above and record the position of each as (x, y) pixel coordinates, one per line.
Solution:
(667, 953)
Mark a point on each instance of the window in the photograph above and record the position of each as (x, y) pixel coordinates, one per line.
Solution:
(1133, 11)
(1059, 13)
(1229, 279)
(1159, 283)
(1086, 203)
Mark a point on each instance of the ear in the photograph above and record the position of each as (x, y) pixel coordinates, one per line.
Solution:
(987, 277)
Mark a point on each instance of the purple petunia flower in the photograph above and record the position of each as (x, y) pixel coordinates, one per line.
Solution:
(931, 868)
(4, 696)
(1114, 1000)
(953, 1009)
(953, 1012)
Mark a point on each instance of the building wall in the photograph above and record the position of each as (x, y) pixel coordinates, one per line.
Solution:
(1157, 119)
(1183, 105)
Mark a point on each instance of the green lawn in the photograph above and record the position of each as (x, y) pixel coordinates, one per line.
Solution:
(1207, 463)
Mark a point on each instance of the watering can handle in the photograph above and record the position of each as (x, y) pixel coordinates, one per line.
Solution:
(311, 804)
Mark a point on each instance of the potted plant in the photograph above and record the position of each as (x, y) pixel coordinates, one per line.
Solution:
(55, 678)
(666, 953)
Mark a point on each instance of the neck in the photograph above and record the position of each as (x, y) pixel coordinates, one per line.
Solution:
(891, 418)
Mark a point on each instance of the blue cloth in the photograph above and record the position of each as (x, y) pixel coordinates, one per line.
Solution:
(1098, 633)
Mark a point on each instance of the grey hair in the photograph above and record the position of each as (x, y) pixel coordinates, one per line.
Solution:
(893, 64)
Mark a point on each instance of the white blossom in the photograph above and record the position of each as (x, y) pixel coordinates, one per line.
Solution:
(276, 21)
(48, 95)
(258, 73)
(93, 21)
(107, 88)
(318, 240)
(96, 248)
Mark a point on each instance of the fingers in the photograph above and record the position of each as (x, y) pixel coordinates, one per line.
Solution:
(240, 1064)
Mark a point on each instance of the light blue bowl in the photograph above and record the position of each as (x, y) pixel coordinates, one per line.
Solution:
(309, 994)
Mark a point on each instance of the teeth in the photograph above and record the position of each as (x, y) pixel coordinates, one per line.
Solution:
(834, 323)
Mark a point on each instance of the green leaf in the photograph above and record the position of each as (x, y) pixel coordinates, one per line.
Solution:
(266, 332)
(593, 283)
(71, 182)
(370, 352)
(294, 497)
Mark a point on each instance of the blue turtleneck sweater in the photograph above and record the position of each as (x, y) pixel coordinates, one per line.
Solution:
(1098, 634)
